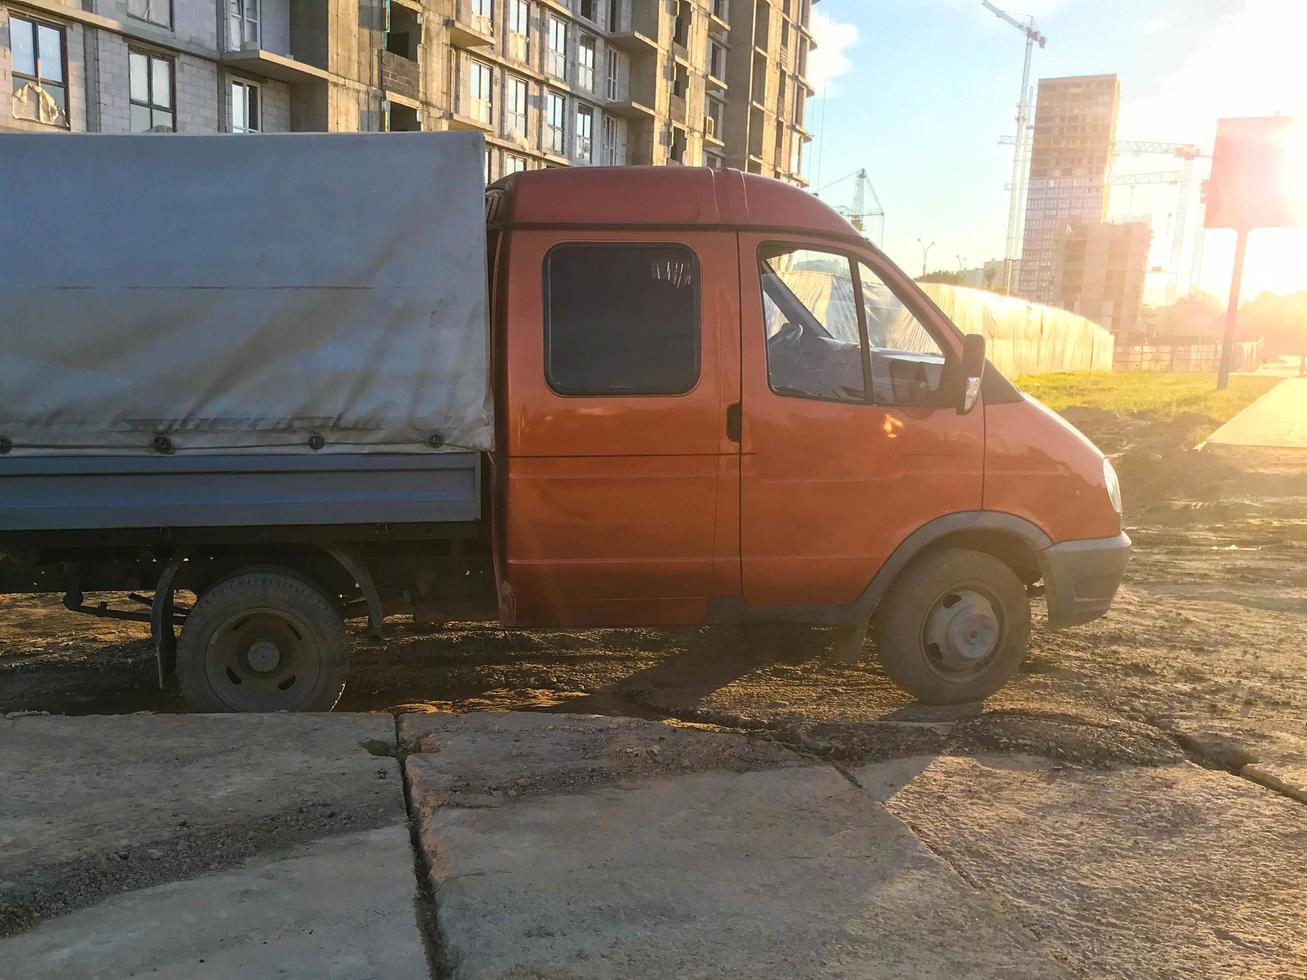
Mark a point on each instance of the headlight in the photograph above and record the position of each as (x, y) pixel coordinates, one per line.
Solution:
(1113, 485)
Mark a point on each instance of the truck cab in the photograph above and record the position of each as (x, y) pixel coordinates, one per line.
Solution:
(718, 403)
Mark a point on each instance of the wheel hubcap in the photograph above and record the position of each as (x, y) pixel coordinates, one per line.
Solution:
(263, 656)
(962, 631)
(263, 660)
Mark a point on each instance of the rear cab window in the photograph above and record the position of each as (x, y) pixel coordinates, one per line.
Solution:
(622, 319)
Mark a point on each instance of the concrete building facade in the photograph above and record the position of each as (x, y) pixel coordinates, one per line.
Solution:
(1074, 138)
(1099, 272)
(549, 82)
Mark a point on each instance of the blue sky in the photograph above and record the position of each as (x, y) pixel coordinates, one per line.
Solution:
(918, 92)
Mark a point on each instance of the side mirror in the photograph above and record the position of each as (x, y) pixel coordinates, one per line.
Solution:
(973, 371)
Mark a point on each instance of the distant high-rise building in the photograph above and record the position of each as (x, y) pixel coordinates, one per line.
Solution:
(1074, 138)
(1098, 272)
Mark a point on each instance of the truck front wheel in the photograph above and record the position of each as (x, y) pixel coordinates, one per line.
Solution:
(954, 627)
(262, 641)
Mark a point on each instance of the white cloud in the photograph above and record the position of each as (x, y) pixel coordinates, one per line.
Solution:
(829, 60)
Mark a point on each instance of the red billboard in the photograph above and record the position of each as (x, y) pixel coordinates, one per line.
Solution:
(1259, 174)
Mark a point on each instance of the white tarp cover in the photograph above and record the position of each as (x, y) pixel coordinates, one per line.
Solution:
(1025, 338)
(243, 293)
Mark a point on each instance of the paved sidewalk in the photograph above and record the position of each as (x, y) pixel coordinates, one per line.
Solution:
(1278, 420)
(205, 847)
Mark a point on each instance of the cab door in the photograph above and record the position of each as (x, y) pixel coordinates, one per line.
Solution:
(622, 359)
(848, 442)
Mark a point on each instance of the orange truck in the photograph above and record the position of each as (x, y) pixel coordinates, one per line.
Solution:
(713, 402)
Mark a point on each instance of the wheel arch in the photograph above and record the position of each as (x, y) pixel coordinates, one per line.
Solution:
(1013, 540)
(327, 566)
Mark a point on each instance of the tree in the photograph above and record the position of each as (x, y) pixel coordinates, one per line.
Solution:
(943, 277)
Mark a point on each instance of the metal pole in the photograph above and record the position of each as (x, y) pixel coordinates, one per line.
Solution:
(1232, 311)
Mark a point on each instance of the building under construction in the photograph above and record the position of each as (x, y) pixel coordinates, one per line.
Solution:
(1072, 257)
(1074, 135)
(548, 82)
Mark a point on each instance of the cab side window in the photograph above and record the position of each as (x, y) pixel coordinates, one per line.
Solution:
(809, 301)
(622, 319)
(907, 363)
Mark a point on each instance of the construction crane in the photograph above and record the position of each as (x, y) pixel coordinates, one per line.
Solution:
(857, 212)
(1020, 156)
(1184, 180)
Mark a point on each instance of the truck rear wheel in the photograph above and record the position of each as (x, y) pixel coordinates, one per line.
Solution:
(263, 641)
(954, 627)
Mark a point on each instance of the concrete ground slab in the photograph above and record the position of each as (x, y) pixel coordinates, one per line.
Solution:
(597, 847)
(1278, 419)
(1143, 872)
(94, 806)
(340, 907)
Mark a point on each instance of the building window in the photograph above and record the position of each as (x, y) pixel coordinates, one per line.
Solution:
(556, 56)
(555, 123)
(614, 152)
(515, 107)
(483, 14)
(246, 106)
(483, 92)
(514, 164)
(714, 119)
(37, 65)
(585, 123)
(613, 86)
(676, 153)
(242, 23)
(681, 31)
(589, 11)
(150, 82)
(585, 62)
(716, 60)
(519, 16)
(712, 161)
(155, 11)
(621, 319)
(613, 8)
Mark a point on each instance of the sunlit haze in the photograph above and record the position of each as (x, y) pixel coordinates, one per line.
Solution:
(919, 92)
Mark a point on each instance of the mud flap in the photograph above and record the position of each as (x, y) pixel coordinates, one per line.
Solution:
(161, 618)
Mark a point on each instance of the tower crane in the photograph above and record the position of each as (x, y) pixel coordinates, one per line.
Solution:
(858, 212)
(1020, 157)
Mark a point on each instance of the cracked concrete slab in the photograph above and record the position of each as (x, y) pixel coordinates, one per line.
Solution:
(95, 806)
(1157, 871)
(340, 907)
(596, 847)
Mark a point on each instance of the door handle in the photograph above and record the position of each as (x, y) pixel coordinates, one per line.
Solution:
(734, 422)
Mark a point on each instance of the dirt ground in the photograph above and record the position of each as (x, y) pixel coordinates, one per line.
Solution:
(1204, 653)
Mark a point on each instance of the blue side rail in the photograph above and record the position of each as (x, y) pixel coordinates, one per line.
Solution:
(71, 493)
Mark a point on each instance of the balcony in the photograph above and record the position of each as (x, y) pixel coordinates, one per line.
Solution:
(469, 30)
(631, 109)
(269, 64)
(400, 75)
(634, 41)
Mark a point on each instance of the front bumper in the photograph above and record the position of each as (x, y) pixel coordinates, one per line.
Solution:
(1081, 578)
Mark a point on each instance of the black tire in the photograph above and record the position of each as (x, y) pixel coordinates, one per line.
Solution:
(263, 641)
(954, 627)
